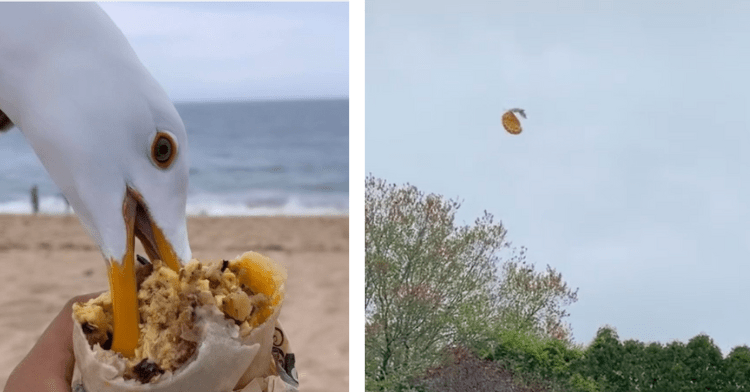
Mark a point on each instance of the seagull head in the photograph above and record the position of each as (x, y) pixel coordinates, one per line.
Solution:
(124, 170)
(122, 163)
(133, 184)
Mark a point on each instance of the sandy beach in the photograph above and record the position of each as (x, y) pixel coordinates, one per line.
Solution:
(46, 260)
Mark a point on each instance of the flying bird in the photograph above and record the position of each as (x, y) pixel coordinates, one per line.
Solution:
(106, 132)
(510, 121)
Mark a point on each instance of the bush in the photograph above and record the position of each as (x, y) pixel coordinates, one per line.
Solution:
(580, 384)
(534, 358)
(466, 372)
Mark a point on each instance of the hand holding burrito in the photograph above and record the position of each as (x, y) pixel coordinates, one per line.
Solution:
(209, 328)
(49, 364)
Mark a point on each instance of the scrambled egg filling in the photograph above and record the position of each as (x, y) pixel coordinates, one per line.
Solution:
(247, 289)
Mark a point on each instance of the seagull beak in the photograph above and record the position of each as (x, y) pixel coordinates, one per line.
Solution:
(122, 280)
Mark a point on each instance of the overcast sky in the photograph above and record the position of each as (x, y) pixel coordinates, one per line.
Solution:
(216, 51)
(632, 174)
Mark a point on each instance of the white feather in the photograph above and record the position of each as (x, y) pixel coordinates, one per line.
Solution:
(71, 82)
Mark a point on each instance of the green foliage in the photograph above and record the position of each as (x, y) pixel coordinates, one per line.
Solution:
(737, 369)
(704, 364)
(427, 280)
(532, 354)
(635, 366)
(535, 358)
(534, 301)
(602, 361)
(672, 371)
(580, 384)
(432, 284)
(607, 364)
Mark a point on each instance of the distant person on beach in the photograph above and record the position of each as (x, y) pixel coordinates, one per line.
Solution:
(48, 367)
(35, 199)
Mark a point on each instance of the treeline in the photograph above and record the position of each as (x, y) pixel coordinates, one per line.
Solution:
(607, 364)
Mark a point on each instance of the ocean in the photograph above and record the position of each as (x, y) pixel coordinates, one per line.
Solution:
(246, 158)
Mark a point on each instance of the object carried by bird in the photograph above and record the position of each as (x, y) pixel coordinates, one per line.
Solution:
(511, 122)
(112, 141)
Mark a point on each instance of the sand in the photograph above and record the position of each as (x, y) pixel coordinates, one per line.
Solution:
(46, 260)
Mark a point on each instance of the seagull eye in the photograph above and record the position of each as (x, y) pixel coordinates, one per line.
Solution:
(163, 150)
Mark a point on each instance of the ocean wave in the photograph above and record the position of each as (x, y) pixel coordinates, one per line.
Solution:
(211, 205)
(268, 203)
(47, 205)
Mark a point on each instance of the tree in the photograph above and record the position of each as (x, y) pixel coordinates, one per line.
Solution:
(634, 365)
(534, 301)
(426, 279)
(705, 364)
(603, 360)
(737, 369)
(652, 365)
(674, 373)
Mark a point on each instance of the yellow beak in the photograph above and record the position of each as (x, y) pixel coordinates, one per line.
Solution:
(122, 281)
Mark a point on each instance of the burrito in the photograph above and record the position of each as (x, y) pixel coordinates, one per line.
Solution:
(211, 327)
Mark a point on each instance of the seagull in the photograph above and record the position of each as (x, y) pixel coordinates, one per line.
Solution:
(107, 134)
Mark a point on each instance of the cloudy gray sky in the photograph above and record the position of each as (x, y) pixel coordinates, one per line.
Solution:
(215, 51)
(632, 174)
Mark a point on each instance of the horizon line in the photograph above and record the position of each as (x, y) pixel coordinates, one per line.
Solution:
(263, 99)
